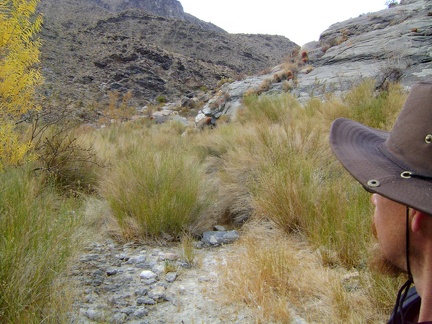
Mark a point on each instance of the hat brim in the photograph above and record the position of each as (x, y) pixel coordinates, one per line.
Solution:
(362, 151)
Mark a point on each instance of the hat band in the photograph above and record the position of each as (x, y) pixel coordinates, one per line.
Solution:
(405, 174)
(409, 174)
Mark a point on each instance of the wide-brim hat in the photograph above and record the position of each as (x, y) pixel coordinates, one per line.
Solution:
(396, 164)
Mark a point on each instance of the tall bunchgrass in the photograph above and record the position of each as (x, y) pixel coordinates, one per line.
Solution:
(296, 182)
(378, 110)
(301, 187)
(37, 239)
(274, 162)
(157, 189)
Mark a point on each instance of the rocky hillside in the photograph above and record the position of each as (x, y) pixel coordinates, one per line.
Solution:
(393, 44)
(150, 48)
(156, 51)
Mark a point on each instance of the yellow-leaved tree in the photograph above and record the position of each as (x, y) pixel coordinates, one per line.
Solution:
(19, 74)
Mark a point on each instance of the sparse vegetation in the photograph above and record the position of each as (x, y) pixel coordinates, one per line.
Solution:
(304, 222)
(304, 57)
(187, 249)
(161, 99)
(118, 109)
(391, 3)
(270, 172)
(224, 80)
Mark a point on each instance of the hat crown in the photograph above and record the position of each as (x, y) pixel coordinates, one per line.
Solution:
(410, 140)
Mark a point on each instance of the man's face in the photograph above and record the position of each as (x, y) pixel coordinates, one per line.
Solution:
(389, 228)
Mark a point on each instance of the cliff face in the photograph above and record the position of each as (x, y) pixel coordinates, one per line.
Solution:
(393, 44)
(148, 48)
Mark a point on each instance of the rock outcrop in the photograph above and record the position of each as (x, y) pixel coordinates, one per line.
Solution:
(389, 45)
(394, 44)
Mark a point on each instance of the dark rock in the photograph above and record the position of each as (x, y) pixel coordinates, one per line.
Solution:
(216, 238)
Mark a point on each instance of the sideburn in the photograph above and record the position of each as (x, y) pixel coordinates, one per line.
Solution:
(377, 261)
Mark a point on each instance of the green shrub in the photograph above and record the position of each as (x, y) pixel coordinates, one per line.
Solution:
(37, 230)
(161, 99)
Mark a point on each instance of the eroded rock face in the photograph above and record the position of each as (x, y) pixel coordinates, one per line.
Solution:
(92, 47)
(385, 45)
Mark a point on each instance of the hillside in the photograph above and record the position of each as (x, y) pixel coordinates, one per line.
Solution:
(156, 51)
(391, 45)
(151, 48)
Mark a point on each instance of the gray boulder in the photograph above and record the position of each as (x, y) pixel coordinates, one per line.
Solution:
(215, 238)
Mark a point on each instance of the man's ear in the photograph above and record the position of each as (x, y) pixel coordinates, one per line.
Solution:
(419, 220)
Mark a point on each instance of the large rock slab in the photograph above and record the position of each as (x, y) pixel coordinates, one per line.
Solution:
(388, 44)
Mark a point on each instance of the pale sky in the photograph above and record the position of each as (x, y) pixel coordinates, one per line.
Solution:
(301, 21)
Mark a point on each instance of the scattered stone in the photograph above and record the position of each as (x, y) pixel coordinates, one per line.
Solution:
(215, 238)
(170, 256)
(145, 301)
(132, 295)
(141, 292)
(147, 274)
(159, 268)
(89, 257)
(140, 313)
(182, 290)
(157, 294)
(111, 272)
(171, 276)
(118, 318)
(93, 314)
(219, 228)
(136, 259)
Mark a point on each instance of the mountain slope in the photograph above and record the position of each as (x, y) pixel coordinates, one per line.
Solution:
(150, 48)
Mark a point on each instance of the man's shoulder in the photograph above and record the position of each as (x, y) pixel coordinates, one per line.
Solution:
(412, 297)
(410, 308)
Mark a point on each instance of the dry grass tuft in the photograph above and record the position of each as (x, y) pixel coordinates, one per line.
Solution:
(272, 163)
(282, 278)
(187, 249)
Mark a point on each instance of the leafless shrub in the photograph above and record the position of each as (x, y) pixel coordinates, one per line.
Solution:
(61, 159)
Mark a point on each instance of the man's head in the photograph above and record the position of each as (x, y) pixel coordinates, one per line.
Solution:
(396, 167)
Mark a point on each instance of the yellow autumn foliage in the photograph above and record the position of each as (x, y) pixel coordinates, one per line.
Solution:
(19, 74)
